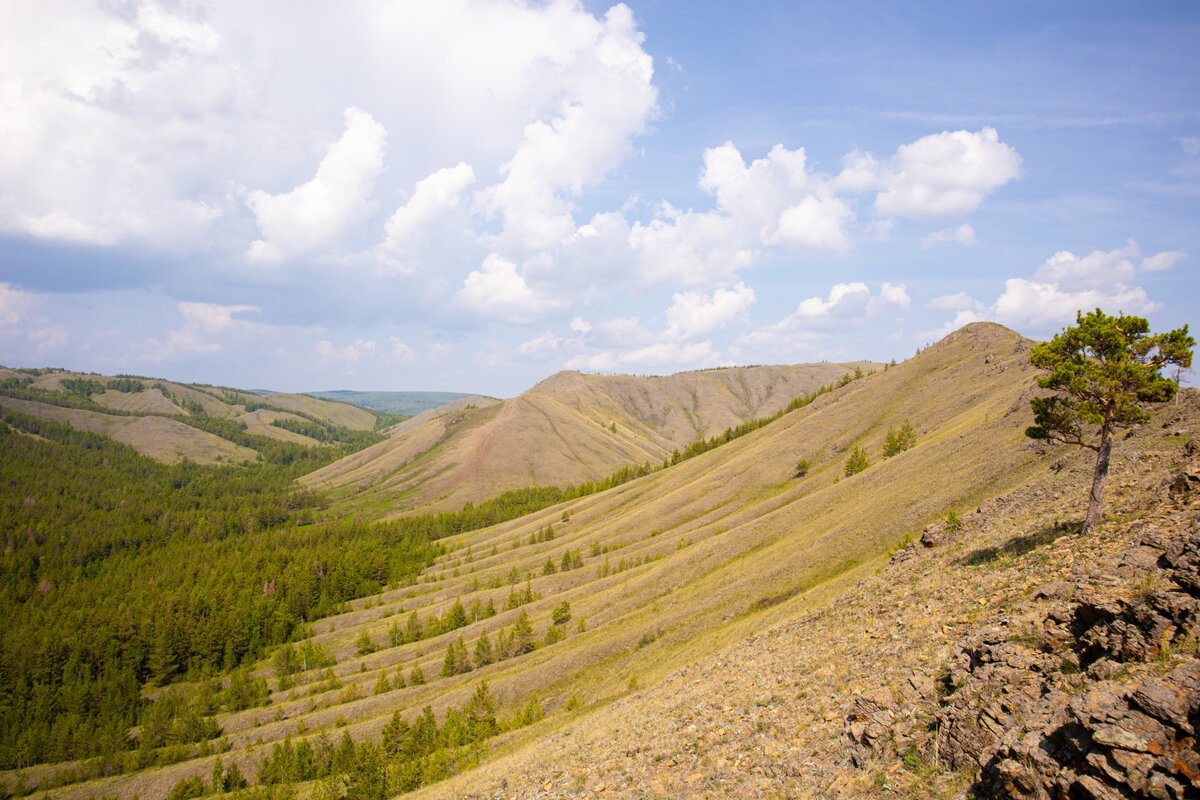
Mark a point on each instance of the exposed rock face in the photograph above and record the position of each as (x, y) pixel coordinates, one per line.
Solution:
(1187, 482)
(1103, 701)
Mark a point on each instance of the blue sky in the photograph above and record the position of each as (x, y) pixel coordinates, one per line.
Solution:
(470, 196)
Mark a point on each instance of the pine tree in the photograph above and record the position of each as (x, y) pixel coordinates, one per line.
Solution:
(483, 651)
(1104, 370)
(857, 461)
(522, 635)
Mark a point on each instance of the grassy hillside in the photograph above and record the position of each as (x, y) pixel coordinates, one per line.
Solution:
(568, 429)
(655, 574)
(405, 403)
(170, 421)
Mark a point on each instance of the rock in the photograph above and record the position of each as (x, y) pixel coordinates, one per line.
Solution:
(934, 535)
(1110, 737)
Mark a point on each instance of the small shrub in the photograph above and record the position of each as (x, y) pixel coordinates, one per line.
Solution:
(954, 522)
(802, 467)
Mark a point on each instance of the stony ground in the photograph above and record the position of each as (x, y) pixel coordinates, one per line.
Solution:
(845, 701)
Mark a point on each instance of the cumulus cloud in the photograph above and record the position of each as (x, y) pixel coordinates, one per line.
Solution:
(953, 302)
(847, 305)
(964, 234)
(316, 213)
(1034, 304)
(496, 290)
(408, 227)
(945, 174)
(659, 354)
(772, 201)
(1060, 287)
(695, 313)
(204, 325)
(401, 351)
(607, 98)
(346, 356)
(1163, 261)
(14, 304)
(100, 138)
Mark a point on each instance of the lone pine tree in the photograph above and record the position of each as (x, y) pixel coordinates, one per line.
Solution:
(1104, 370)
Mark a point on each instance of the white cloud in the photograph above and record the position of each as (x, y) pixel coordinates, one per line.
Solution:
(498, 291)
(541, 344)
(1191, 145)
(607, 97)
(847, 305)
(49, 339)
(964, 234)
(212, 317)
(1061, 286)
(1163, 261)
(409, 225)
(845, 299)
(401, 351)
(204, 324)
(657, 355)
(347, 356)
(694, 313)
(14, 304)
(945, 174)
(100, 133)
(772, 201)
(895, 294)
(316, 213)
(1033, 304)
(954, 302)
(1098, 268)
(580, 325)
(963, 317)
(817, 222)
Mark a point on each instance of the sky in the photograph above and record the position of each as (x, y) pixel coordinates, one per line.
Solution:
(470, 196)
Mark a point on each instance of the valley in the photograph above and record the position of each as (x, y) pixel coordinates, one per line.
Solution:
(701, 627)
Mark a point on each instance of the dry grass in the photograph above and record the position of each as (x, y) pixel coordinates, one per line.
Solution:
(159, 438)
(569, 428)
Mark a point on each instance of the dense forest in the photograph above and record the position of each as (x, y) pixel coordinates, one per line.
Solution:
(117, 570)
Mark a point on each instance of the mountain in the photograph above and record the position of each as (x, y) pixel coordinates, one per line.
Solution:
(168, 421)
(405, 403)
(569, 428)
(728, 626)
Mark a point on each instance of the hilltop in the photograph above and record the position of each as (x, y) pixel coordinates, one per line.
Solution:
(169, 421)
(571, 427)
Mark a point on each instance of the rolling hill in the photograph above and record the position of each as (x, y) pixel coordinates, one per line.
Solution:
(569, 428)
(168, 421)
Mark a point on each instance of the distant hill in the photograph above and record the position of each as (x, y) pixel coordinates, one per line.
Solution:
(571, 427)
(169, 421)
(407, 403)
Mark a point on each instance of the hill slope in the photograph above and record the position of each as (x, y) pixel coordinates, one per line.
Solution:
(660, 573)
(168, 421)
(567, 429)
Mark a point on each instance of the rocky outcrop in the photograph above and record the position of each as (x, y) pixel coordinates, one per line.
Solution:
(1100, 699)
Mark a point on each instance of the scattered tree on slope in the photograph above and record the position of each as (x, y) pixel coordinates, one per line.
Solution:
(1104, 370)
